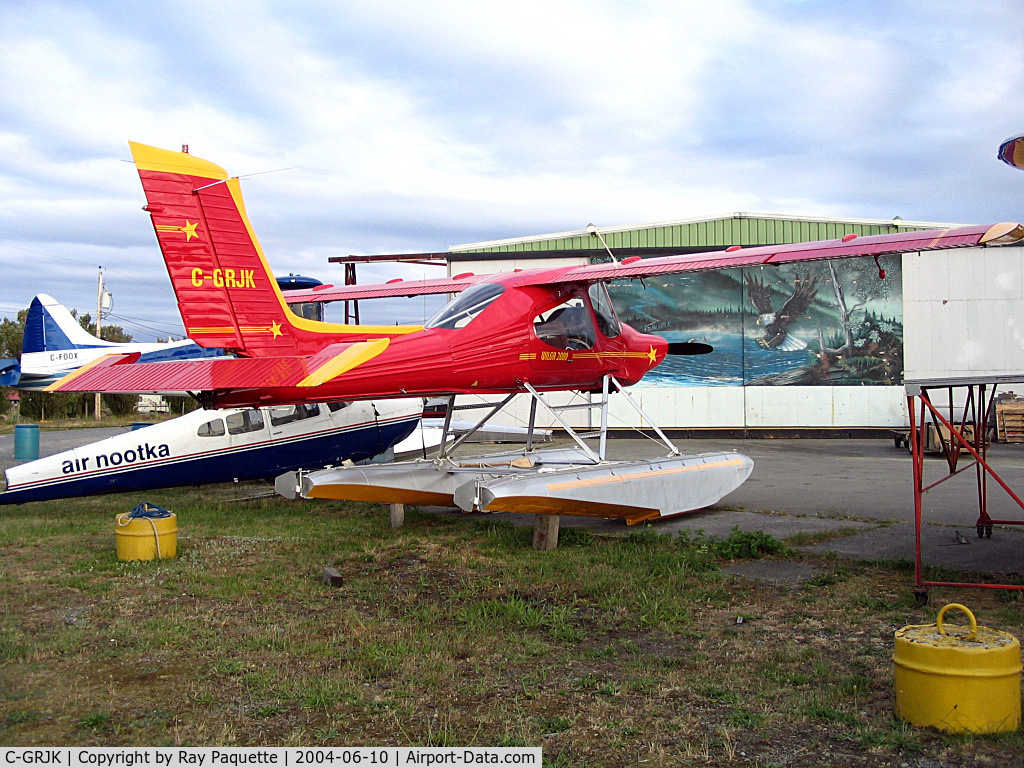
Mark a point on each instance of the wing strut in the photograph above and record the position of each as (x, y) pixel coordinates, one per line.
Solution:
(596, 456)
(602, 432)
(446, 449)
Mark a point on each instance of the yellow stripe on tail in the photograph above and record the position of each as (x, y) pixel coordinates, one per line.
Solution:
(354, 355)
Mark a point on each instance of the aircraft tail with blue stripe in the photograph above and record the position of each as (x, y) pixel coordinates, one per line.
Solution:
(50, 327)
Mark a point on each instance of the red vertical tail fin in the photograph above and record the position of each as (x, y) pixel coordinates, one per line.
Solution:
(226, 294)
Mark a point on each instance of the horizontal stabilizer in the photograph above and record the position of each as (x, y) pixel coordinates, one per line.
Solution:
(119, 373)
(10, 372)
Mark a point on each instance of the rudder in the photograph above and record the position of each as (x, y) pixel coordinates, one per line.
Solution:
(226, 293)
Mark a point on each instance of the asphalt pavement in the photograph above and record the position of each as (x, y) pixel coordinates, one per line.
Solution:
(856, 493)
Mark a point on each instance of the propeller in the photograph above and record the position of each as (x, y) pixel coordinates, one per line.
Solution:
(689, 348)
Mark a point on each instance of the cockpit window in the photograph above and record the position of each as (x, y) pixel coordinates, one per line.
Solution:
(604, 311)
(458, 312)
(567, 326)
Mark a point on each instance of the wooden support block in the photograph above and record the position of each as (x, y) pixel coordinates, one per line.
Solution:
(397, 515)
(545, 532)
(331, 577)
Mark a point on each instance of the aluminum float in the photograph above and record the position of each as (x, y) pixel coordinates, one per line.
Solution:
(576, 480)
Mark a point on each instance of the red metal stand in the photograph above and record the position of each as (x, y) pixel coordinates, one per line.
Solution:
(968, 436)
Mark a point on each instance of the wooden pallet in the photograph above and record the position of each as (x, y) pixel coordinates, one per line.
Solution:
(931, 442)
(1010, 422)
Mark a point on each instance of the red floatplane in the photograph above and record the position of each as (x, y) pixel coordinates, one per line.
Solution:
(529, 331)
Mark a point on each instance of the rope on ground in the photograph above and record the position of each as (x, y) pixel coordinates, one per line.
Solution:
(148, 512)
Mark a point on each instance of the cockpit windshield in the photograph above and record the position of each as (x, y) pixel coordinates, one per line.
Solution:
(604, 311)
(458, 312)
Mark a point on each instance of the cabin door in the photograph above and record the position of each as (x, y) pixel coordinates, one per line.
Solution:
(248, 437)
(564, 339)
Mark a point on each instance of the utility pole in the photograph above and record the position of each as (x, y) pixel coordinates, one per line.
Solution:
(99, 312)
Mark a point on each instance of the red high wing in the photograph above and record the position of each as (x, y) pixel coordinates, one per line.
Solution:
(872, 245)
(391, 289)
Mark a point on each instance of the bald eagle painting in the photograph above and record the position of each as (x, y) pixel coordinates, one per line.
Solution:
(776, 323)
(813, 325)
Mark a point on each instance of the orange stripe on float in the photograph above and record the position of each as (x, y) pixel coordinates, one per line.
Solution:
(381, 495)
(640, 475)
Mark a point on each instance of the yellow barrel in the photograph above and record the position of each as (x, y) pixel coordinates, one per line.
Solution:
(146, 538)
(958, 679)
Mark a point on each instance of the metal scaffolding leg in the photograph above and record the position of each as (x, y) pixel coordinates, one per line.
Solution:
(969, 436)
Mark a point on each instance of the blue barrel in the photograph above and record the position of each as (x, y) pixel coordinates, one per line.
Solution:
(26, 442)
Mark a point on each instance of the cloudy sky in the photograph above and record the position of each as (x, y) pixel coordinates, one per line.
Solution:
(411, 126)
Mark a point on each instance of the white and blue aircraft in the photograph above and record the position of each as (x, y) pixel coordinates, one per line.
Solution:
(218, 446)
(54, 344)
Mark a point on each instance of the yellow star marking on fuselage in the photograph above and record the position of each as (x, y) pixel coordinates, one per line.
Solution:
(275, 328)
(652, 355)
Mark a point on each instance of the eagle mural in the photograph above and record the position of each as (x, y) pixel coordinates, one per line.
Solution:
(776, 324)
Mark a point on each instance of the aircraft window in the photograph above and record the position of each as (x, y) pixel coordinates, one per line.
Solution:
(214, 428)
(337, 405)
(307, 410)
(246, 421)
(458, 312)
(604, 311)
(282, 415)
(567, 326)
(286, 414)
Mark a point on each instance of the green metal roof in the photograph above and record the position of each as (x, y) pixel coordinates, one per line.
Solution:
(722, 231)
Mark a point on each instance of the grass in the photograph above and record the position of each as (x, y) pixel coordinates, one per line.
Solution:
(806, 538)
(607, 651)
